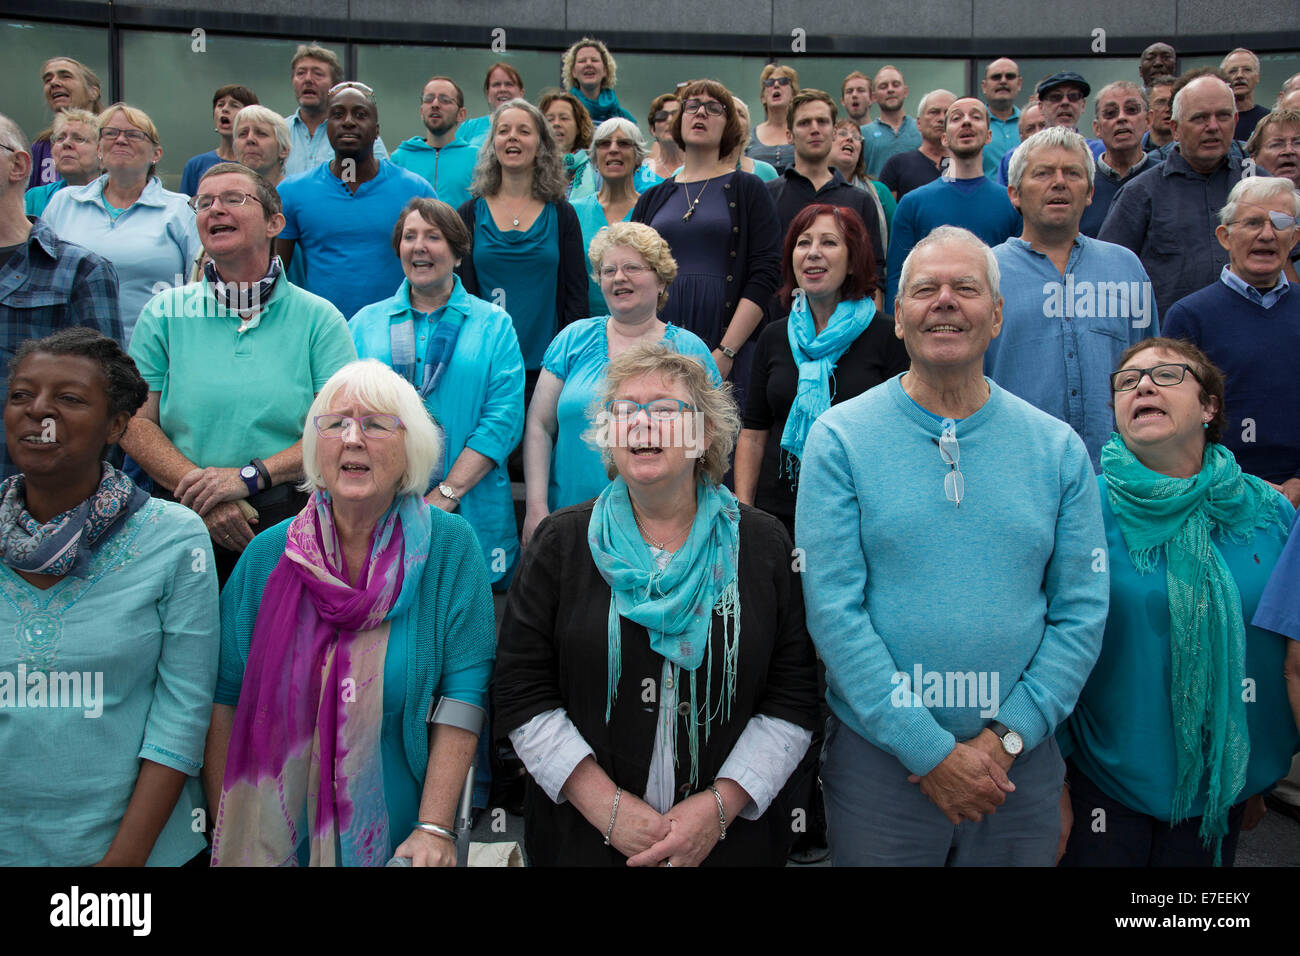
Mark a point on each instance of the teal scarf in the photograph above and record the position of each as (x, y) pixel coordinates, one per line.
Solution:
(816, 355)
(1207, 634)
(603, 107)
(674, 605)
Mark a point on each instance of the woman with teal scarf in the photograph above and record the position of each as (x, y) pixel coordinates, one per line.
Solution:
(833, 347)
(573, 129)
(655, 674)
(588, 71)
(1184, 722)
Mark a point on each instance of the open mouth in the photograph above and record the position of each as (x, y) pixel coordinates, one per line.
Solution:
(37, 440)
(1148, 413)
(354, 468)
(221, 229)
(943, 330)
(646, 451)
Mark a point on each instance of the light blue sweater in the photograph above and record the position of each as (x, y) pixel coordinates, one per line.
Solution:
(1007, 587)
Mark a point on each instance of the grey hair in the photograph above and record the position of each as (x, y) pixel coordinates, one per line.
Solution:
(1257, 189)
(1240, 49)
(261, 114)
(384, 392)
(1120, 85)
(1175, 109)
(920, 107)
(617, 124)
(954, 234)
(1060, 136)
(549, 184)
(11, 134)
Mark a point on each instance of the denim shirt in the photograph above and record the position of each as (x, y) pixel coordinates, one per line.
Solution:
(1062, 336)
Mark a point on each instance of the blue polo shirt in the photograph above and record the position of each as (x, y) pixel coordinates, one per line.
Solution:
(879, 142)
(345, 238)
(308, 150)
(449, 168)
(1006, 137)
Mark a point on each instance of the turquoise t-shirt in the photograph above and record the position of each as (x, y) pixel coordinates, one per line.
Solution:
(525, 265)
(591, 217)
(230, 396)
(579, 356)
(1121, 733)
(38, 197)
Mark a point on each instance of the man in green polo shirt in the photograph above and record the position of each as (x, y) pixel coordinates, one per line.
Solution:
(233, 363)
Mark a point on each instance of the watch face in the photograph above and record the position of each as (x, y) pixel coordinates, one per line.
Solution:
(1012, 743)
(248, 471)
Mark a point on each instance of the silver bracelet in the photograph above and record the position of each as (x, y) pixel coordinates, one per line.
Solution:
(435, 830)
(722, 814)
(618, 795)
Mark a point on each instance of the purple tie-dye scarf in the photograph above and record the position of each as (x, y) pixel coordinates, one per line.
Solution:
(304, 759)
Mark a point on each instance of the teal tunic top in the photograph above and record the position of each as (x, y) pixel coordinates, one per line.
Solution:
(1121, 732)
(591, 217)
(479, 403)
(525, 264)
(579, 356)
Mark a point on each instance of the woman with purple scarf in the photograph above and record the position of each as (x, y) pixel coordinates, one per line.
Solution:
(343, 629)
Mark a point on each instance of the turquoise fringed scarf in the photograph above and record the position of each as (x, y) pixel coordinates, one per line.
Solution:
(674, 605)
(815, 353)
(1207, 634)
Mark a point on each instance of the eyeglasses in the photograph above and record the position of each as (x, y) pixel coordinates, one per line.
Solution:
(611, 143)
(848, 134)
(351, 84)
(772, 81)
(133, 135)
(10, 148)
(1130, 109)
(712, 107)
(1166, 376)
(1055, 96)
(75, 138)
(442, 99)
(230, 198)
(623, 410)
(372, 426)
(1275, 144)
(1280, 221)
(1003, 76)
(662, 116)
(954, 483)
(630, 269)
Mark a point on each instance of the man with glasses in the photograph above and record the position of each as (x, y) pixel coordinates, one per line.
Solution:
(1167, 214)
(1120, 123)
(439, 156)
(1275, 148)
(894, 132)
(1001, 85)
(1242, 68)
(1072, 304)
(233, 363)
(949, 534)
(1159, 96)
(314, 70)
(342, 212)
(46, 284)
(1063, 97)
(1248, 323)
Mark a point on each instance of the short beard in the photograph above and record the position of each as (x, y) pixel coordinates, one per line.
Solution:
(443, 131)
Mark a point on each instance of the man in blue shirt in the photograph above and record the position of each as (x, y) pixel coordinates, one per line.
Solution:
(1121, 122)
(439, 156)
(1001, 85)
(1071, 305)
(46, 284)
(1248, 323)
(963, 197)
(1063, 98)
(343, 213)
(1160, 97)
(895, 131)
(314, 71)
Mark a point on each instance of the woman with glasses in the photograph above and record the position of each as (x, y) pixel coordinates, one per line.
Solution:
(722, 228)
(525, 240)
(826, 351)
(462, 355)
(1184, 722)
(848, 158)
(616, 153)
(655, 677)
(665, 157)
(126, 216)
(572, 128)
(74, 148)
(348, 635)
(777, 87)
(635, 269)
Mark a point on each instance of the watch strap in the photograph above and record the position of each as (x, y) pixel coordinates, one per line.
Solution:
(264, 472)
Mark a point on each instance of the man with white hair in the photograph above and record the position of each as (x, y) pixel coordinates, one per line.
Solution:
(948, 529)
(1248, 323)
(46, 284)
(1242, 68)
(1166, 214)
(912, 169)
(1071, 303)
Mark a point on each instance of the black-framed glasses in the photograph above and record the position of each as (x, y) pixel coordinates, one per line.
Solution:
(662, 116)
(623, 410)
(712, 107)
(1166, 376)
(954, 482)
(772, 81)
(131, 135)
(230, 198)
(1055, 96)
(10, 148)
(1280, 221)
(372, 426)
(995, 77)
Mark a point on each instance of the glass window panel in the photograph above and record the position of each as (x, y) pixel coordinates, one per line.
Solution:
(24, 48)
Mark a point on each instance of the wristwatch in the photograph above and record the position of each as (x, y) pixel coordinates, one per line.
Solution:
(252, 478)
(729, 353)
(1012, 742)
(447, 491)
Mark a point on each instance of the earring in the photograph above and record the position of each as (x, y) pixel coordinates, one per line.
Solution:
(1205, 424)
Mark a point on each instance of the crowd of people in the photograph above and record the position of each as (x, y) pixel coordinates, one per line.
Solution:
(906, 489)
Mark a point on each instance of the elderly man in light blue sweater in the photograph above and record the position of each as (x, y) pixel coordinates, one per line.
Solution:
(956, 589)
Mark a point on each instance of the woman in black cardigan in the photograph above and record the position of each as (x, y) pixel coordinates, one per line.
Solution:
(654, 672)
(722, 227)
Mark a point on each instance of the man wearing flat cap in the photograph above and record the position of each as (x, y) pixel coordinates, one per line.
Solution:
(1062, 98)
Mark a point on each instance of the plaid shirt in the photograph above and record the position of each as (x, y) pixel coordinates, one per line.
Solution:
(49, 284)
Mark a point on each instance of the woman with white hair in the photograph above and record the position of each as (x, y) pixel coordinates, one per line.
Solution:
(588, 72)
(262, 142)
(616, 152)
(340, 627)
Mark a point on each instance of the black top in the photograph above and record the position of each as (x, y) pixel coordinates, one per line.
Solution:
(876, 355)
(1247, 121)
(793, 190)
(904, 172)
(553, 653)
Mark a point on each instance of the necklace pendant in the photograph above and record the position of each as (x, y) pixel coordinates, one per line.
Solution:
(690, 212)
(516, 220)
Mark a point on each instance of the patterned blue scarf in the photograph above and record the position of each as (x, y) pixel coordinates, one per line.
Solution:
(816, 355)
(675, 605)
(446, 325)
